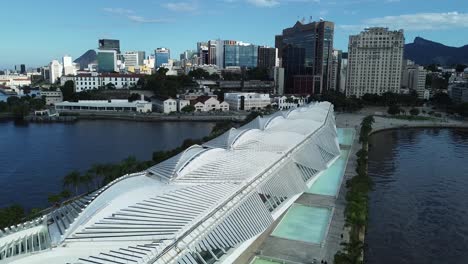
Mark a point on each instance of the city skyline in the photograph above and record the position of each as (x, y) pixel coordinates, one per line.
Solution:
(179, 25)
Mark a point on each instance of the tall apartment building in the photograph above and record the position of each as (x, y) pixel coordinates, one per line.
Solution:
(162, 56)
(375, 62)
(68, 67)
(343, 72)
(306, 52)
(56, 69)
(413, 77)
(335, 76)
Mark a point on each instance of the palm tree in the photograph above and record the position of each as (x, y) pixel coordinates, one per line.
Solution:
(73, 180)
(87, 179)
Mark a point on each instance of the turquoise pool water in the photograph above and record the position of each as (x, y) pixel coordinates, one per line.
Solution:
(304, 223)
(264, 261)
(346, 136)
(329, 180)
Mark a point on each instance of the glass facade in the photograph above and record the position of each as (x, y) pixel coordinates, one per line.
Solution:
(162, 56)
(106, 61)
(109, 44)
(306, 49)
(240, 56)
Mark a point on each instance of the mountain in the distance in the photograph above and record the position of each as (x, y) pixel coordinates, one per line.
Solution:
(88, 57)
(426, 52)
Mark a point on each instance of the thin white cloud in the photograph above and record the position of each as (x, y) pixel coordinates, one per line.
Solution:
(270, 3)
(414, 22)
(132, 16)
(181, 6)
(119, 11)
(264, 3)
(140, 19)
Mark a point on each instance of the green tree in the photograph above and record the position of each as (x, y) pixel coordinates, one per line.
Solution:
(188, 109)
(11, 215)
(65, 194)
(73, 180)
(414, 111)
(20, 111)
(87, 180)
(68, 89)
(54, 199)
(394, 110)
(134, 97)
(198, 74)
(460, 67)
(462, 109)
(3, 107)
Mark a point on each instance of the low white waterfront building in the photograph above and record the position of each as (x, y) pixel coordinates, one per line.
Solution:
(94, 81)
(207, 204)
(15, 80)
(208, 103)
(288, 102)
(247, 101)
(139, 106)
(52, 97)
(164, 105)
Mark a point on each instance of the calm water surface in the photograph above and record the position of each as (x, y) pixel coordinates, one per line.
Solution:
(419, 205)
(35, 157)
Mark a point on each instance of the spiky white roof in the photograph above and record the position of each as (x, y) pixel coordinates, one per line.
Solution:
(209, 198)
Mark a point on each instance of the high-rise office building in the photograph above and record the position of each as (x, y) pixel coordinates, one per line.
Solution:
(212, 52)
(23, 69)
(55, 71)
(202, 49)
(343, 72)
(216, 51)
(107, 61)
(68, 67)
(267, 57)
(240, 55)
(413, 78)
(335, 76)
(134, 58)
(306, 52)
(162, 56)
(110, 44)
(375, 62)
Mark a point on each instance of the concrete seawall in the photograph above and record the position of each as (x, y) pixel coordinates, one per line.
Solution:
(157, 117)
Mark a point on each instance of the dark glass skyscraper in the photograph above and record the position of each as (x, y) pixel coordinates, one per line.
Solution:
(306, 51)
(266, 57)
(110, 44)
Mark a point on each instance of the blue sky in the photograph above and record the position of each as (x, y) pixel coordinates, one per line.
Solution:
(35, 32)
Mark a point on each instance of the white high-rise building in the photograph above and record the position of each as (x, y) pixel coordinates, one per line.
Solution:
(375, 62)
(134, 58)
(68, 67)
(343, 72)
(414, 78)
(56, 69)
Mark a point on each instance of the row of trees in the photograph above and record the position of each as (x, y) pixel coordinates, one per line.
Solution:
(352, 104)
(257, 73)
(165, 85)
(22, 106)
(356, 212)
